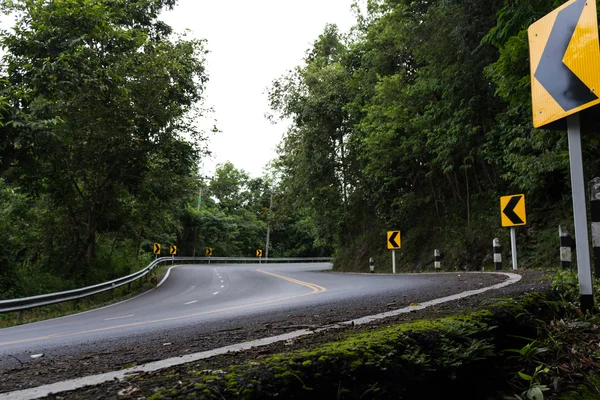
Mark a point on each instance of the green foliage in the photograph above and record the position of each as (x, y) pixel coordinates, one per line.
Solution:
(98, 146)
(418, 120)
(536, 389)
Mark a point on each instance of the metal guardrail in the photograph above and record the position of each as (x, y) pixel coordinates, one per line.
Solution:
(59, 297)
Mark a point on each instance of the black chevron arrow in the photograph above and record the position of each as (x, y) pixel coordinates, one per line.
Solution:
(392, 240)
(509, 210)
(562, 84)
(156, 248)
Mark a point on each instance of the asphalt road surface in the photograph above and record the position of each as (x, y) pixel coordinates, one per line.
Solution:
(207, 298)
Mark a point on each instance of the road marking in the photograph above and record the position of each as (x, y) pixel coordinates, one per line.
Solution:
(124, 316)
(215, 293)
(315, 289)
(222, 286)
(79, 383)
(186, 292)
(191, 302)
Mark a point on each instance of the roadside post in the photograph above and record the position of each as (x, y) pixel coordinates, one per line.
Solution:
(393, 243)
(437, 260)
(156, 250)
(566, 245)
(208, 252)
(172, 252)
(497, 254)
(565, 62)
(512, 213)
(371, 265)
(595, 212)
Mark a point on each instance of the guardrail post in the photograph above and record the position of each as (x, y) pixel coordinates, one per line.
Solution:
(371, 265)
(437, 260)
(497, 254)
(566, 245)
(20, 317)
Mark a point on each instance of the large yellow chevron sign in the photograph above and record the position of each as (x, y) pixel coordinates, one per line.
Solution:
(565, 62)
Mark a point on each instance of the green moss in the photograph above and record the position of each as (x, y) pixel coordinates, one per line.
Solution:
(585, 392)
(156, 396)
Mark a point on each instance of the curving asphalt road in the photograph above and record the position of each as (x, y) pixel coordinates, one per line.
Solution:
(209, 297)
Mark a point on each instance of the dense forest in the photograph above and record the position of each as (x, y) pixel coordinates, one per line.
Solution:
(417, 119)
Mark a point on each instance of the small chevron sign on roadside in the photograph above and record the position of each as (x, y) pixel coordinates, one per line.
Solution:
(393, 243)
(173, 250)
(156, 248)
(393, 240)
(259, 253)
(512, 210)
(208, 251)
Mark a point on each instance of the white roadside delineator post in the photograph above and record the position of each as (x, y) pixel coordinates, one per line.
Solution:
(497, 254)
(566, 243)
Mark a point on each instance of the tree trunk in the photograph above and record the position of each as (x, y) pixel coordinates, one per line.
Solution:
(91, 238)
(138, 244)
(437, 210)
(468, 198)
(112, 248)
(195, 240)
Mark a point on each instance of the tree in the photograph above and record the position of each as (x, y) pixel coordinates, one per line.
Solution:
(120, 85)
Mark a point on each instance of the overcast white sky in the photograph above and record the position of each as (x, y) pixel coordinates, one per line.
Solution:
(251, 43)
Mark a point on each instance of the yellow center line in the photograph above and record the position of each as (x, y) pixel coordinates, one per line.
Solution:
(313, 286)
(315, 289)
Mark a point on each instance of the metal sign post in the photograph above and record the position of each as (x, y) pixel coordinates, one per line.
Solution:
(564, 61)
(512, 213)
(513, 247)
(584, 270)
(393, 242)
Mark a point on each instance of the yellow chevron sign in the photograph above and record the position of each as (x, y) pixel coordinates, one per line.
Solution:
(393, 240)
(565, 62)
(512, 210)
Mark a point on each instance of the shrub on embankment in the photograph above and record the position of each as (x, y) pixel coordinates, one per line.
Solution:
(453, 357)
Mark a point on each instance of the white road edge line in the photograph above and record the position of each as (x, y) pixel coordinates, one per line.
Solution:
(167, 275)
(79, 383)
(191, 302)
(215, 293)
(124, 316)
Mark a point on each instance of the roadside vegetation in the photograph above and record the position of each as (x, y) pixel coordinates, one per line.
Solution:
(418, 120)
